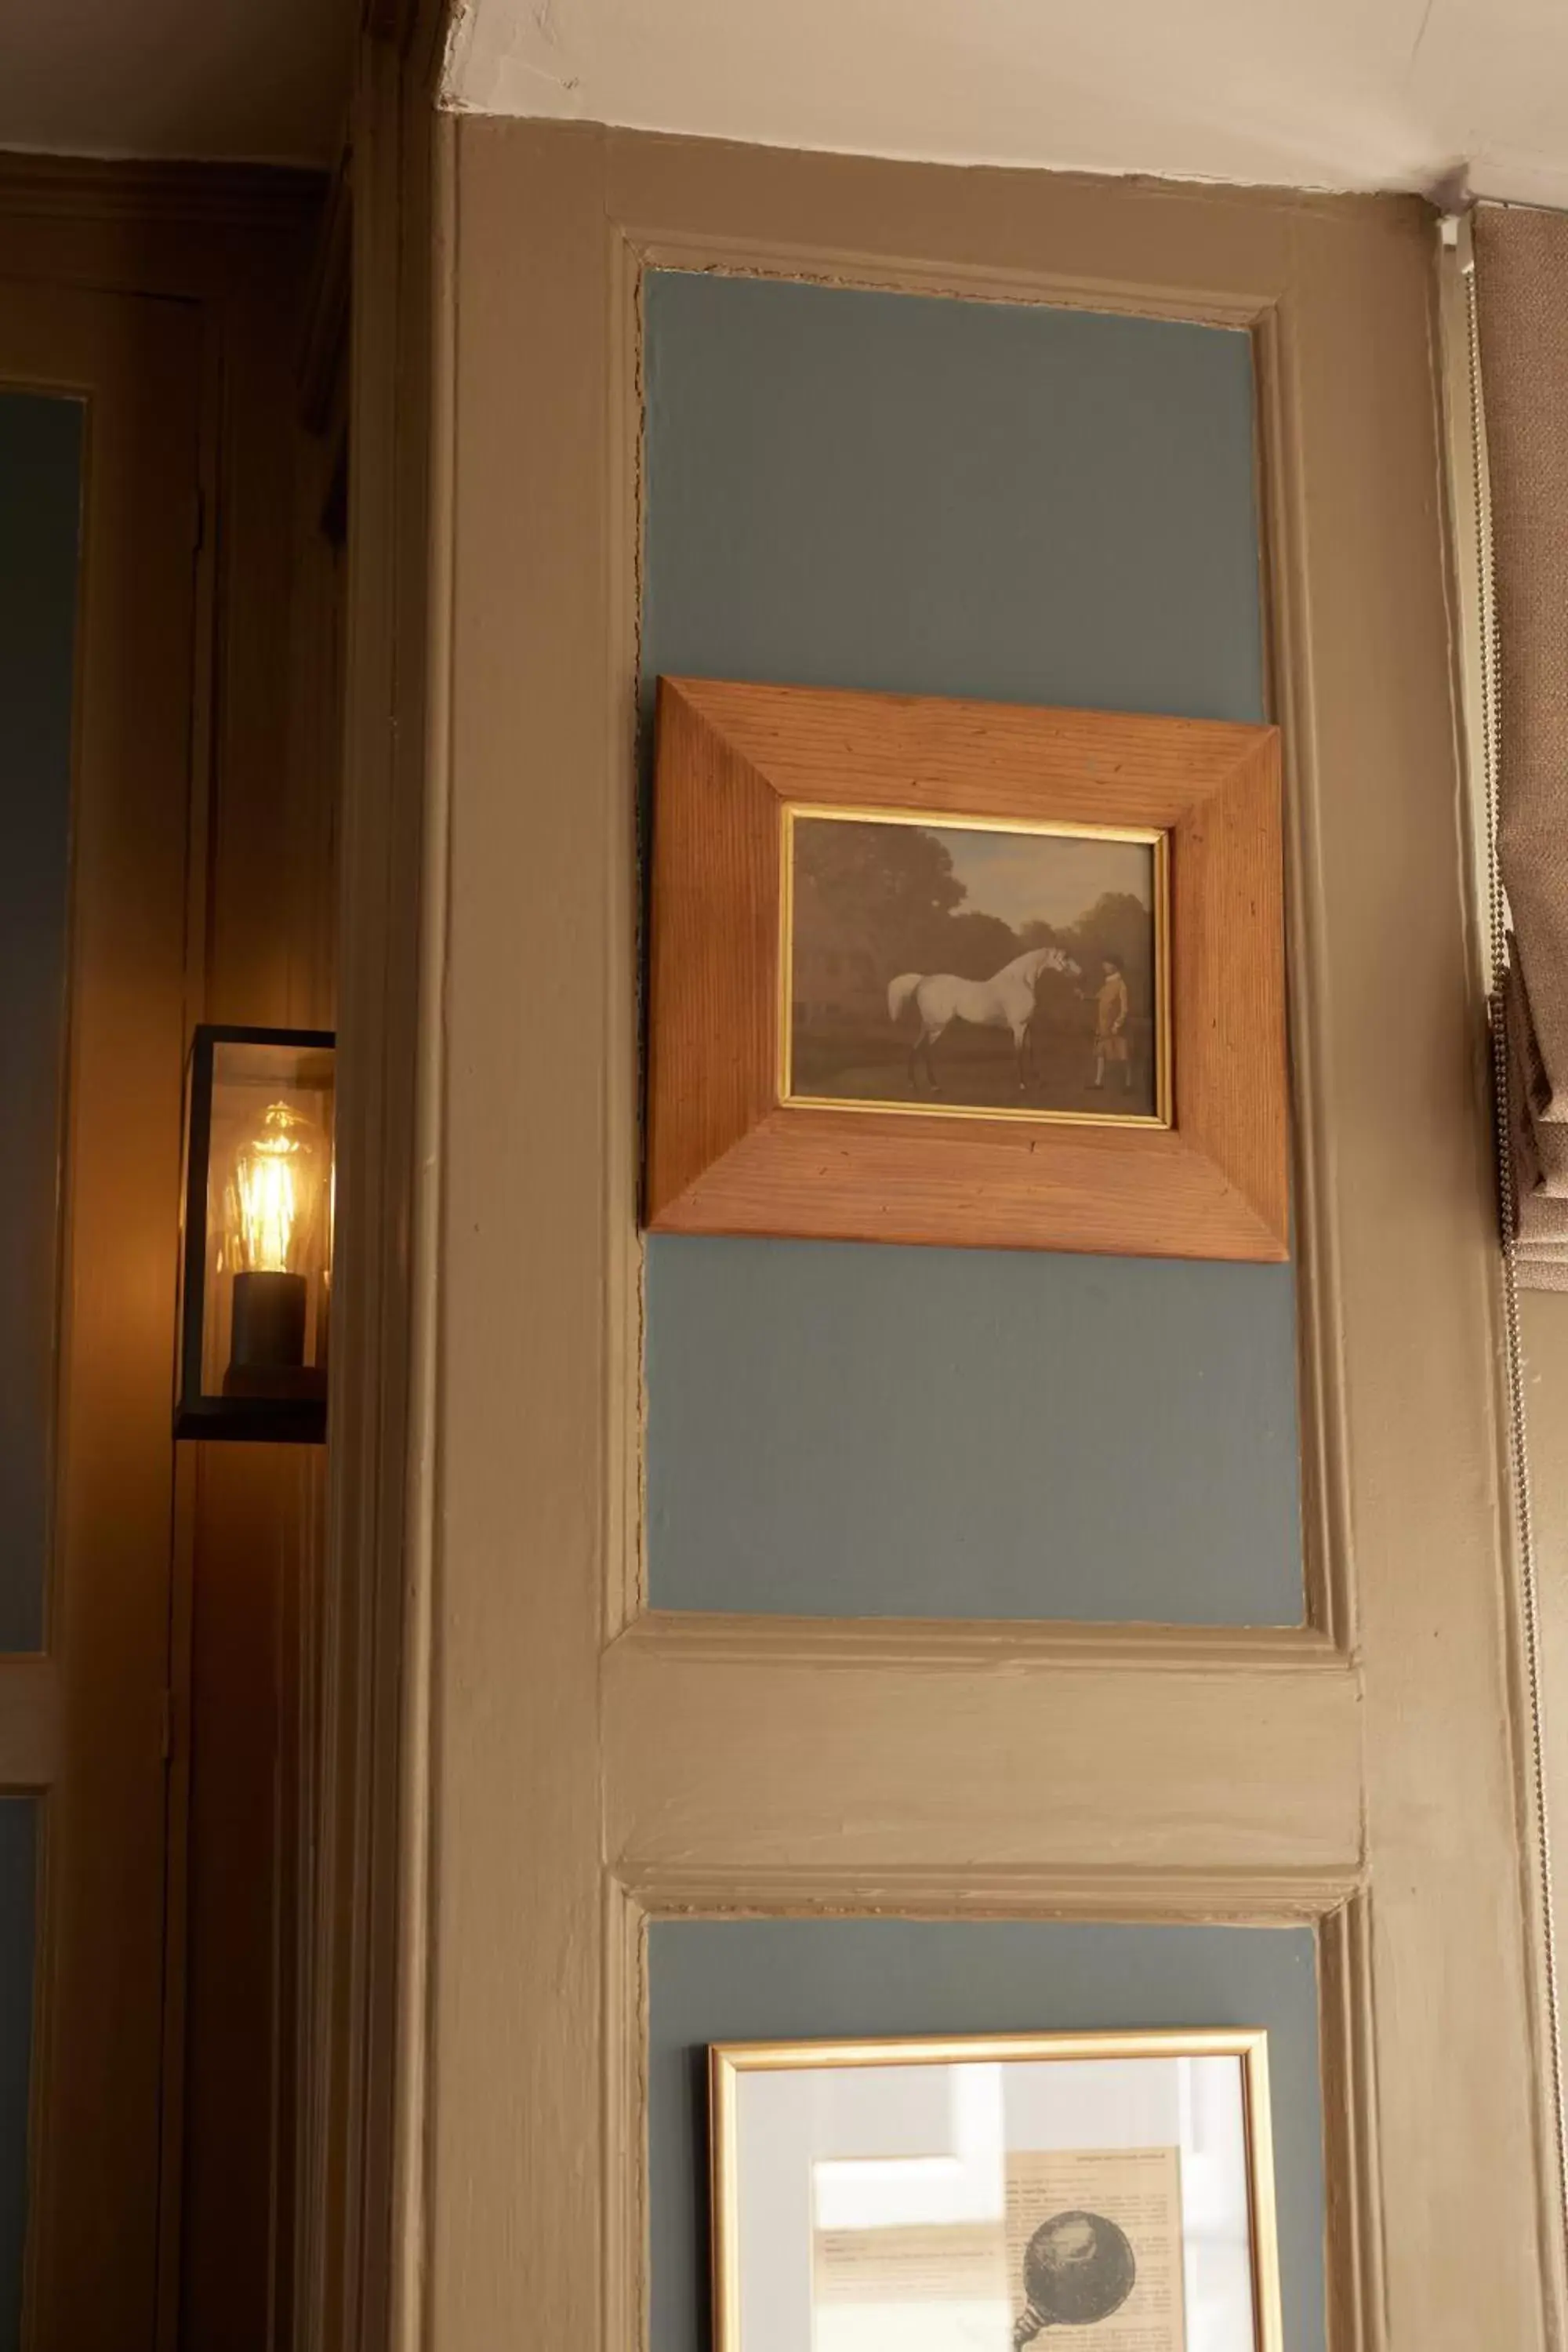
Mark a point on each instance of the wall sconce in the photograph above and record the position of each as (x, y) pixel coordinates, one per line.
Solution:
(257, 1264)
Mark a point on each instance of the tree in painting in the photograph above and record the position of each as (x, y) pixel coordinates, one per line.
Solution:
(1116, 925)
(885, 898)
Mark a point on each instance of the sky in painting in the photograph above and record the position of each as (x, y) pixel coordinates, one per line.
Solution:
(1042, 877)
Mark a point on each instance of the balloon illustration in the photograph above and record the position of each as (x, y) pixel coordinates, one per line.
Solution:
(1077, 2268)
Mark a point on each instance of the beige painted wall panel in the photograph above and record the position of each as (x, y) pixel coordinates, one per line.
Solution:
(552, 1815)
(536, 807)
(1415, 1288)
(1081, 1762)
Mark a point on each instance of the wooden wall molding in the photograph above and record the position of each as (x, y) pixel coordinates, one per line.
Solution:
(324, 341)
(361, 2213)
(79, 187)
(929, 1644)
(554, 1822)
(1024, 1762)
(1139, 1895)
(1358, 2313)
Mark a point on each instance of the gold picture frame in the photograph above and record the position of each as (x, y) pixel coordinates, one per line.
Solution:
(1150, 2181)
(1189, 1161)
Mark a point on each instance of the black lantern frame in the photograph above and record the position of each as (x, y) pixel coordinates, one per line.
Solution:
(272, 1419)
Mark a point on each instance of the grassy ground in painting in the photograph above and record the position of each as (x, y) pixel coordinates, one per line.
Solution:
(976, 1069)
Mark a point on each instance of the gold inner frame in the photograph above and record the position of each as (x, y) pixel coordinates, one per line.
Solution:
(1155, 838)
(1248, 2044)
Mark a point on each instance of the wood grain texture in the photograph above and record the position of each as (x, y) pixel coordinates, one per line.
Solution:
(725, 1155)
(715, 949)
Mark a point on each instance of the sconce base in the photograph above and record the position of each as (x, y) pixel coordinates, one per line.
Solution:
(268, 1328)
(276, 1383)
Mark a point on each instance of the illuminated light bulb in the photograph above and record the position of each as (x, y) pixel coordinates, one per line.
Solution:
(272, 1206)
(275, 1193)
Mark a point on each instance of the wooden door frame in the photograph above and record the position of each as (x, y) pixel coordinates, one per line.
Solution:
(362, 2183)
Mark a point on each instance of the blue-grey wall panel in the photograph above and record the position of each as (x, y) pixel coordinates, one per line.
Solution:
(787, 1980)
(931, 497)
(849, 488)
(971, 1438)
(41, 500)
(18, 1881)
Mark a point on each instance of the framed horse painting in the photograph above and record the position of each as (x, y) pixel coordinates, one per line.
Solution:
(929, 971)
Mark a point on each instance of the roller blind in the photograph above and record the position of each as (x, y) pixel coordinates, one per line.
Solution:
(1520, 292)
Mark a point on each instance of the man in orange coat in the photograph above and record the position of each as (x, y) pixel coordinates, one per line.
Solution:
(1112, 1005)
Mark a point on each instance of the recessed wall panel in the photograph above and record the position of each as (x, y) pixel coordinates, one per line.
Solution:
(40, 504)
(788, 1979)
(1033, 504)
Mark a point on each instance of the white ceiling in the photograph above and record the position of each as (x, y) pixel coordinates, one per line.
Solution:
(261, 80)
(1308, 93)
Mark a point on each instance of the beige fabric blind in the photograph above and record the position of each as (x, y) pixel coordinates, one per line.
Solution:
(1521, 313)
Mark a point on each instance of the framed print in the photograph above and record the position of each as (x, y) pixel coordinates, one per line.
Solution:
(929, 971)
(1108, 2192)
(1071, 916)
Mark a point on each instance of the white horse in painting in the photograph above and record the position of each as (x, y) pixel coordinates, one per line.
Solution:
(1006, 1001)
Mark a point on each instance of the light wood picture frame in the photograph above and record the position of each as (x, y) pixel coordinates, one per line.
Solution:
(993, 2189)
(932, 1125)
